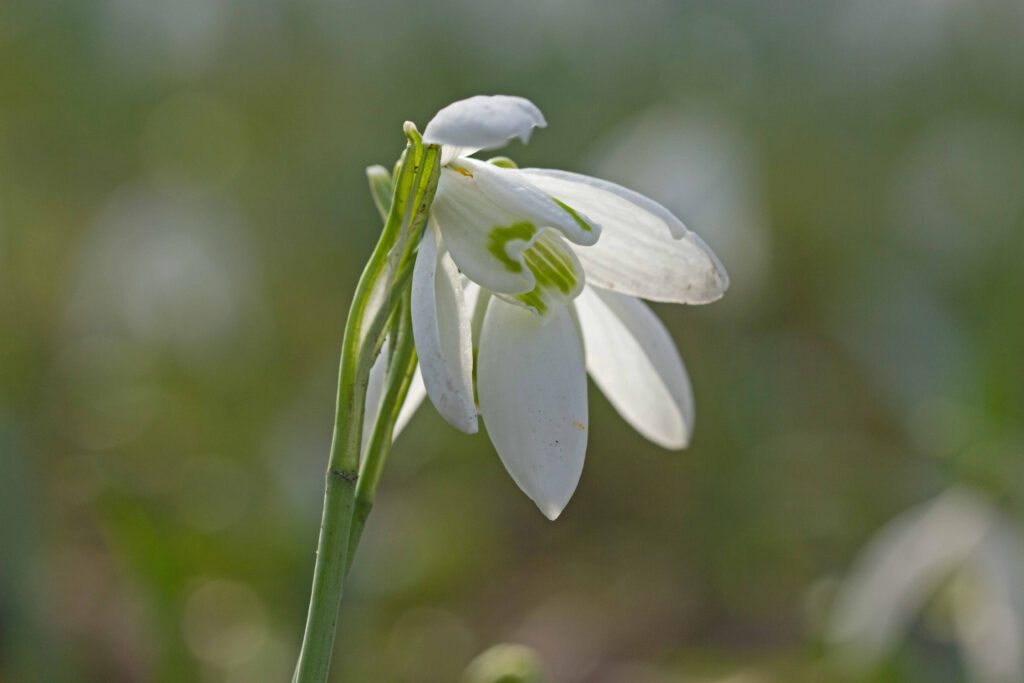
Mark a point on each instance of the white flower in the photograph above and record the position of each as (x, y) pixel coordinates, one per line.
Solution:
(553, 265)
(957, 549)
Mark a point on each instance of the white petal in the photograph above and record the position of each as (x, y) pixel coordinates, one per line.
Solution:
(634, 361)
(899, 570)
(989, 609)
(502, 251)
(483, 122)
(375, 390)
(557, 271)
(533, 397)
(595, 190)
(509, 189)
(471, 293)
(644, 250)
(467, 219)
(413, 399)
(441, 328)
(481, 299)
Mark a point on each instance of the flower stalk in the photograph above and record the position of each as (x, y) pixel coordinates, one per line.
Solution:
(380, 305)
(401, 366)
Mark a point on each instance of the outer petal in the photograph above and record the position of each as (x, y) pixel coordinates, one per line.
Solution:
(481, 298)
(374, 391)
(509, 189)
(533, 397)
(989, 608)
(632, 357)
(413, 399)
(471, 293)
(900, 569)
(483, 122)
(644, 250)
(441, 329)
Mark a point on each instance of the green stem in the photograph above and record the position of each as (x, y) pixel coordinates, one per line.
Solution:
(401, 369)
(377, 294)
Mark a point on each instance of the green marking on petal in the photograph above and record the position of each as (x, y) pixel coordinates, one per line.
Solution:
(548, 272)
(500, 236)
(503, 162)
(558, 276)
(534, 300)
(558, 264)
(585, 226)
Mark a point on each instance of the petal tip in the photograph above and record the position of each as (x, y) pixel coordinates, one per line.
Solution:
(470, 424)
(484, 122)
(453, 408)
(717, 279)
(676, 444)
(552, 512)
(672, 440)
(551, 502)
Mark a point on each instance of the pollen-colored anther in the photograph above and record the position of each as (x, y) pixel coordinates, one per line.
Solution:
(462, 170)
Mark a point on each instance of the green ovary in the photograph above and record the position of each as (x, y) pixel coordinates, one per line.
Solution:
(503, 162)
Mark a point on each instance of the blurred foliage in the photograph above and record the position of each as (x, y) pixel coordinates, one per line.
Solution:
(505, 663)
(183, 216)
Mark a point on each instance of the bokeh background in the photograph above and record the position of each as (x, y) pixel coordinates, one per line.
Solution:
(183, 217)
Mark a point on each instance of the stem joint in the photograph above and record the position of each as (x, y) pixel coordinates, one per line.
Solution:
(345, 475)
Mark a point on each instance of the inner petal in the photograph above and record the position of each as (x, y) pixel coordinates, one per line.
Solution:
(518, 258)
(485, 241)
(556, 271)
(510, 189)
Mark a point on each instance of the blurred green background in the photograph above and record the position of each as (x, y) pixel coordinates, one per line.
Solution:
(183, 216)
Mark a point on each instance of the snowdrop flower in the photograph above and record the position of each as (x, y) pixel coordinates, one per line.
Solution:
(527, 279)
(957, 548)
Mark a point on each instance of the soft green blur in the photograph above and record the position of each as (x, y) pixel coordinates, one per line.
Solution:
(183, 217)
